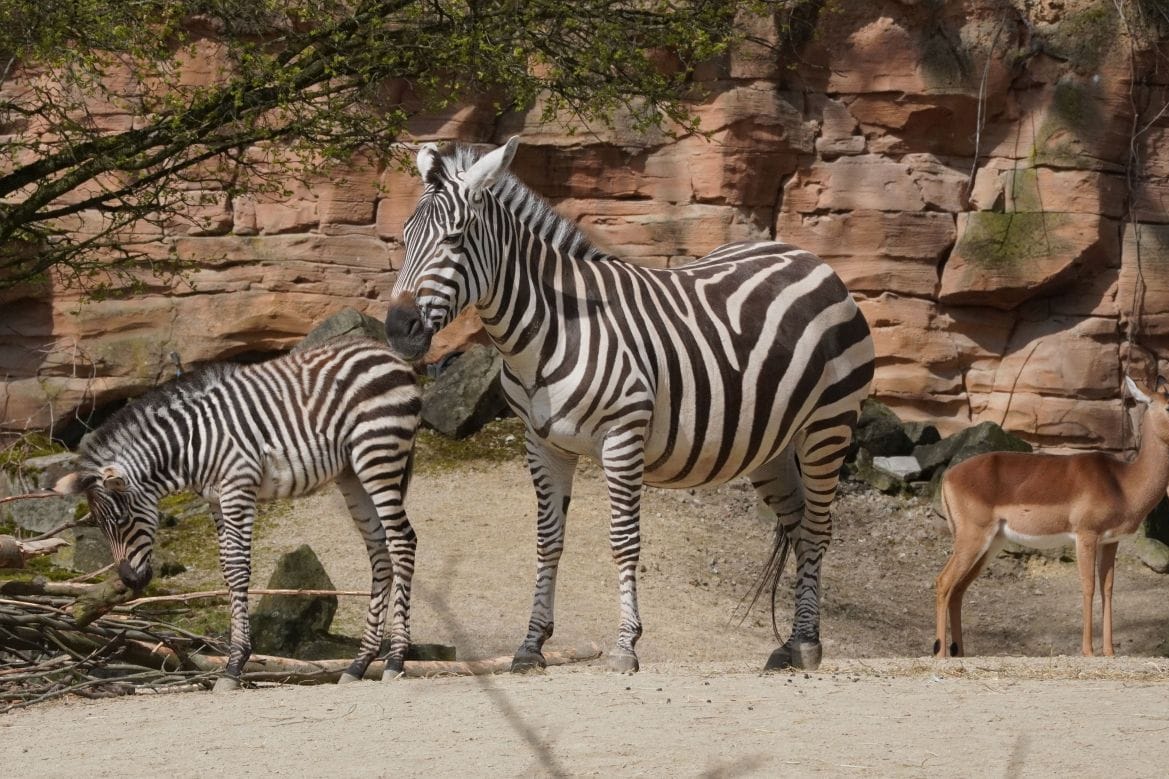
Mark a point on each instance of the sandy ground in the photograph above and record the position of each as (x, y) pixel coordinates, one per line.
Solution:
(877, 707)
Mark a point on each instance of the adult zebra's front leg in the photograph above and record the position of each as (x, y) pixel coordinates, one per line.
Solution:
(235, 514)
(623, 459)
(552, 473)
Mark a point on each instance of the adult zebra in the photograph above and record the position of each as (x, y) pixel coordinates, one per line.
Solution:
(753, 360)
(236, 434)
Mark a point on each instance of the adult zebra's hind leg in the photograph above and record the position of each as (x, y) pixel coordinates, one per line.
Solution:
(552, 474)
(807, 473)
(779, 487)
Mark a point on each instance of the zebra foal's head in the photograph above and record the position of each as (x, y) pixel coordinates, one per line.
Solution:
(126, 515)
(446, 241)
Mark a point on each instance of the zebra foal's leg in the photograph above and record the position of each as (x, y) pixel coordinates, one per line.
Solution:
(383, 468)
(365, 517)
(552, 474)
(234, 517)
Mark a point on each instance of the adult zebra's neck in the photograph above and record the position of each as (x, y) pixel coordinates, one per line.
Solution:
(536, 262)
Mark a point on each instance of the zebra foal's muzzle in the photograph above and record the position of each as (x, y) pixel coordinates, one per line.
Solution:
(135, 579)
(407, 331)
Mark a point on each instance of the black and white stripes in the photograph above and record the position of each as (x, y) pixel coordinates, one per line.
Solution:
(344, 412)
(753, 360)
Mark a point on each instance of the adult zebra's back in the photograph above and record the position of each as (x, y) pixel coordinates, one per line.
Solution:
(753, 360)
(345, 411)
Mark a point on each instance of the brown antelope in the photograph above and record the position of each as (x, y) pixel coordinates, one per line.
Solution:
(1044, 500)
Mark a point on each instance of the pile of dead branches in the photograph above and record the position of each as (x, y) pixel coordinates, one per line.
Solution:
(94, 640)
(55, 640)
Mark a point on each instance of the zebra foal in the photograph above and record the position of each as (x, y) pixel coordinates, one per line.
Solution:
(237, 434)
(753, 360)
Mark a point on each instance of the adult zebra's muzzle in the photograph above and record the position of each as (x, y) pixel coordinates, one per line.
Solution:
(407, 331)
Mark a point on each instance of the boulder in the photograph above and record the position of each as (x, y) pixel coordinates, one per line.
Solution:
(905, 468)
(454, 339)
(921, 433)
(1157, 523)
(89, 552)
(880, 479)
(880, 432)
(281, 623)
(467, 395)
(1151, 552)
(38, 515)
(982, 438)
(346, 322)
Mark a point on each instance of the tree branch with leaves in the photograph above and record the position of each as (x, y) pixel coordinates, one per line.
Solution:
(303, 79)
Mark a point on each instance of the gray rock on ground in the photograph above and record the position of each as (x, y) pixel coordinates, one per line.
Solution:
(467, 395)
(346, 322)
(281, 624)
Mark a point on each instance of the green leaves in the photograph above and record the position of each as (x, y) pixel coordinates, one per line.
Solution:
(109, 108)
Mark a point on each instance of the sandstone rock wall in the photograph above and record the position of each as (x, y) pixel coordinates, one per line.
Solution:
(990, 177)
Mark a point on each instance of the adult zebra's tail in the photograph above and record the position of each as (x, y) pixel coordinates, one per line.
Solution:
(769, 579)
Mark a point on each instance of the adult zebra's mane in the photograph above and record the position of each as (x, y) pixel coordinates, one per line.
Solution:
(529, 207)
(124, 424)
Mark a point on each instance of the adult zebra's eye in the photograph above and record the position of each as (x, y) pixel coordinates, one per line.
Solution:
(451, 238)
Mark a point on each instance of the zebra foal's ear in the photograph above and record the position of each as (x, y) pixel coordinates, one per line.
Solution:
(491, 166)
(73, 483)
(112, 478)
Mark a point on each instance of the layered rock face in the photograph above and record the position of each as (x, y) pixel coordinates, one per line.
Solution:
(988, 177)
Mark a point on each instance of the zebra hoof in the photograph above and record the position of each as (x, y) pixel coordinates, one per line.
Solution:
(393, 669)
(526, 661)
(622, 661)
(225, 684)
(805, 655)
(348, 678)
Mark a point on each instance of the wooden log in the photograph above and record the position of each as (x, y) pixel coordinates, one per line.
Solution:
(99, 599)
(39, 585)
(268, 668)
(10, 556)
(16, 552)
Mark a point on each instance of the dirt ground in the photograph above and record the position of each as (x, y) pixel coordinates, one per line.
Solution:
(1027, 705)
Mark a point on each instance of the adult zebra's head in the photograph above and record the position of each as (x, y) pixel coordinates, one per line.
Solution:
(127, 516)
(449, 246)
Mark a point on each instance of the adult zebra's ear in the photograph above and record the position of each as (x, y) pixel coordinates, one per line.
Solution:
(484, 173)
(427, 156)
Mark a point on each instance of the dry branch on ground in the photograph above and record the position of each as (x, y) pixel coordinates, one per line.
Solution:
(64, 638)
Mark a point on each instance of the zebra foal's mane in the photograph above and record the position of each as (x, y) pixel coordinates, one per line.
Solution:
(519, 199)
(135, 415)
